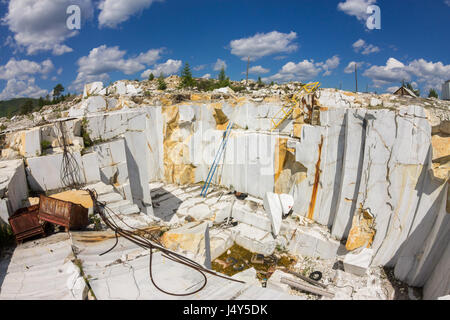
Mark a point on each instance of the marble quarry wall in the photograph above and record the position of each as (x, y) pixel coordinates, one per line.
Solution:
(365, 173)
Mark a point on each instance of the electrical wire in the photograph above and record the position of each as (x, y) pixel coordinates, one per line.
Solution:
(107, 216)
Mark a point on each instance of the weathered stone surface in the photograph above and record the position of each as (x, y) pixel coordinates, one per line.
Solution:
(274, 210)
(358, 262)
(13, 187)
(93, 88)
(192, 237)
(43, 269)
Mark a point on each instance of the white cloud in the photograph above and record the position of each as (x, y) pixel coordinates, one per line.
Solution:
(329, 65)
(365, 47)
(430, 74)
(21, 69)
(304, 70)
(200, 67)
(350, 68)
(358, 45)
(447, 2)
(114, 12)
(22, 88)
(103, 60)
(206, 76)
(41, 25)
(264, 44)
(167, 68)
(393, 71)
(257, 70)
(219, 64)
(356, 8)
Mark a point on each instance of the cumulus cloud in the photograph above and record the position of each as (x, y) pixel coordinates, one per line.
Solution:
(41, 25)
(258, 70)
(206, 76)
(200, 67)
(219, 65)
(356, 8)
(329, 65)
(430, 74)
(393, 71)
(102, 60)
(350, 68)
(167, 68)
(22, 88)
(22, 69)
(264, 44)
(304, 70)
(364, 48)
(114, 12)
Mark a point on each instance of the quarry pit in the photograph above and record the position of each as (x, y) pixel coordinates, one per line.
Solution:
(368, 175)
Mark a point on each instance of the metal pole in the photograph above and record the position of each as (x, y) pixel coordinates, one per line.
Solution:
(248, 65)
(356, 76)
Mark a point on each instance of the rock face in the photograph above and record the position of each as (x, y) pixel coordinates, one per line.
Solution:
(373, 170)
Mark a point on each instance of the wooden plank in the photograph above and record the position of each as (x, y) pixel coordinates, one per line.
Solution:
(306, 287)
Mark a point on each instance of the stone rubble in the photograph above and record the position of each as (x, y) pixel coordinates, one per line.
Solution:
(356, 179)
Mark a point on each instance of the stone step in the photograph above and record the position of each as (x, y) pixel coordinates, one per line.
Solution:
(130, 209)
(101, 188)
(116, 206)
(110, 198)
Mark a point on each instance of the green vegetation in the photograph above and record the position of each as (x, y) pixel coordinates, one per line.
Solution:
(186, 77)
(161, 82)
(151, 77)
(3, 127)
(224, 81)
(433, 93)
(6, 235)
(45, 144)
(57, 90)
(260, 81)
(85, 134)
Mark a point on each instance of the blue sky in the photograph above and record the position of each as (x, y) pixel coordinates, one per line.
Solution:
(301, 40)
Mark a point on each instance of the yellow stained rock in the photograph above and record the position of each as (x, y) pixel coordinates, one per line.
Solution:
(200, 97)
(362, 231)
(441, 146)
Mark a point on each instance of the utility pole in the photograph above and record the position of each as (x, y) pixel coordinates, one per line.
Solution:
(340, 85)
(356, 76)
(248, 65)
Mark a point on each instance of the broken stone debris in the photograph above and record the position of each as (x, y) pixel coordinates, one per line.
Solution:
(358, 262)
(332, 172)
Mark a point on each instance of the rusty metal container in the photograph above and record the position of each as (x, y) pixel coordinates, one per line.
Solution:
(25, 223)
(63, 213)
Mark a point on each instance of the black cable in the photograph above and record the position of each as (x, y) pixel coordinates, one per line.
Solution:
(145, 243)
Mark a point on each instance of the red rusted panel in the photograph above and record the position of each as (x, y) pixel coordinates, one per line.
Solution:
(25, 223)
(63, 213)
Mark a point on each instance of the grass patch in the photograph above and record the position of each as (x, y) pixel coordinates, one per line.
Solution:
(6, 236)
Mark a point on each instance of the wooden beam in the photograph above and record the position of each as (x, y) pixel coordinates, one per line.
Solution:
(306, 287)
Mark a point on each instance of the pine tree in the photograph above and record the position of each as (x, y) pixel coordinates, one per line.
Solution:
(27, 107)
(161, 83)
(410, 87)
(223, 80)
(151, 77)
(186, 77)
(58, 90)
(260, 81)
(433, 94)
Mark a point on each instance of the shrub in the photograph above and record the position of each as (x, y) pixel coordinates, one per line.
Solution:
(45, 144)
(161, 83)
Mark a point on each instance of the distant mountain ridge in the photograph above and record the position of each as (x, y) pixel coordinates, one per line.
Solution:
(12, 106)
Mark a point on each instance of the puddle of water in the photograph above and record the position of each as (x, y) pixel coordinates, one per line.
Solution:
(240, 260)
